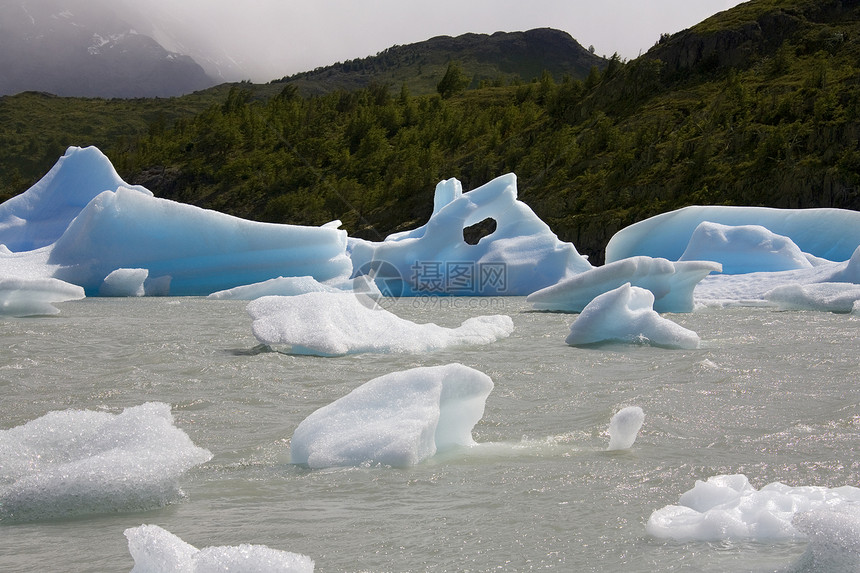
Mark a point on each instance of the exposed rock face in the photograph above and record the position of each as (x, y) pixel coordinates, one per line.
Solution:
(761, 32)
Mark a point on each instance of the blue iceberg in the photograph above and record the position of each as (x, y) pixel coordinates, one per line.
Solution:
(520, 256)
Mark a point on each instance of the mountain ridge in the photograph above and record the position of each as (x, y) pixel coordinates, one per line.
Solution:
(500, 58)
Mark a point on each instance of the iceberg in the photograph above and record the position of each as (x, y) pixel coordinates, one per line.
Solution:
(81, 224)
(744, 249)
(399, 419)
(156, 550)
(672, 284)
(77, 462)
(334, 324)
(624, 427)
(727, 507)
(626, 314)
(84, 225)
(831, 234)
(521, 256)
(34, 297)
(38, 217)
(200, 251)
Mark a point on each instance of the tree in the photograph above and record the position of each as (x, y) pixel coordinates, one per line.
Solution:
(454, 81)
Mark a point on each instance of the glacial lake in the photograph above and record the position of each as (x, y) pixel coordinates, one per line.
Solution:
(772, 395)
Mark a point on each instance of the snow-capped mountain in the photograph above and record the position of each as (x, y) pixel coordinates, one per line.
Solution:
(87, 48)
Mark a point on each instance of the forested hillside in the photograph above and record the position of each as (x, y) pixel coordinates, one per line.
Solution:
(755, 106)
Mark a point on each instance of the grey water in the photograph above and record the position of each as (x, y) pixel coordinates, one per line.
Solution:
(773, 395)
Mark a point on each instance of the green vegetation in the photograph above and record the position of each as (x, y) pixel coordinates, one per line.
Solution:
(767, 113)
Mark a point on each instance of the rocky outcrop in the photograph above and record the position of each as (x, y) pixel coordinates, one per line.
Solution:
(693, 50)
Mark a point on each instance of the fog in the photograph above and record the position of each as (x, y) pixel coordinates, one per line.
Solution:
(263, 40)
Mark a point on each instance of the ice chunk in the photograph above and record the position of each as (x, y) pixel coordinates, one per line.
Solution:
(124, 282)
(672, 284)
(626, 314)
(280, 286)
(32, 297)
(333, 324)
(76, 462)
(624, 426)
(832, 234)
(521, 256)
(834, 539)
(744, 249)
(848, 272)
(39, 216)
(156, 550)
(291, 286)
(399, 419)
(200, 251)
(727, 507)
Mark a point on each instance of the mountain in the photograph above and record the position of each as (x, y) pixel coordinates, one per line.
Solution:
(84, 48)
(498, 58)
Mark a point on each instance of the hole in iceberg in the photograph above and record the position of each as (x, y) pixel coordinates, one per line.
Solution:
(474, 233)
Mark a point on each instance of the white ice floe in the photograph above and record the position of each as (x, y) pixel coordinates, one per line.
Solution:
(727, 507)
(75, 462)
(156, 550)
(34, 297)
(624, 427)
(753, 288)
(834, 539)
(333, 324)
(831, 234)
(833, 297)
(672, 284)
(125, 282)
(291, 286)
(626, 314)
(521, 256)
(399, 419)
(280, 286)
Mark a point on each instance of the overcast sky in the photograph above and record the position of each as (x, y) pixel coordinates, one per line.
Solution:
(275, 38)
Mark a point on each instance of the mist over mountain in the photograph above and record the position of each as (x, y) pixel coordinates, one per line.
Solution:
(89, 49)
